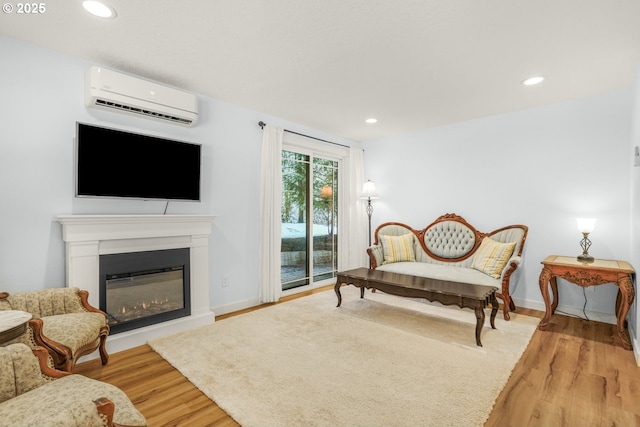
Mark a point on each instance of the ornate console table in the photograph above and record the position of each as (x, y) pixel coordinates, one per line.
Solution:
(599, 272)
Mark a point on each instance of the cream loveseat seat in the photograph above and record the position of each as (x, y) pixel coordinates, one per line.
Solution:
(451, 249)
(33, 394)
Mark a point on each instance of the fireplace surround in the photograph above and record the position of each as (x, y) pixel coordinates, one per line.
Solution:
(87, 237)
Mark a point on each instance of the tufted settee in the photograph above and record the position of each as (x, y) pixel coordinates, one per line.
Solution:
(63, 322)
(451, 249)
(33, 394)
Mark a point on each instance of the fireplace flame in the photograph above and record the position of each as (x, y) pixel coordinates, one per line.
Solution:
(140, 309)
(144, 305)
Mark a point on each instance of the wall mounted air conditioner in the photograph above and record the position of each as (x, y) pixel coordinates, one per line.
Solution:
(114, 91)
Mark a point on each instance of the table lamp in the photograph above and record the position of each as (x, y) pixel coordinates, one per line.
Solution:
(585, 225)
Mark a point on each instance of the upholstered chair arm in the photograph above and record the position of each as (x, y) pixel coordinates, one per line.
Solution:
(511, 265)
(60, 353)
(84, 299)
(4, 303)
(376, 255)
(505, 280)
(105, 408)
(43, 360)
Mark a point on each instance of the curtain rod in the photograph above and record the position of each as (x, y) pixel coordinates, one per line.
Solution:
(263, 124)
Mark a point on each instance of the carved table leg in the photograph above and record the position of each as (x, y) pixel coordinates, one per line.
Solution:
(618, 301)
(554, 291)
(545, 277)
(627, 294)
(494, 310)
(362, 292)
(337, 289)
(479, 322)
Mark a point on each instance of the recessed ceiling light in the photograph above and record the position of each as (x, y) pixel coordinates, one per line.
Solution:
(533, 81)
(371, 121)
(99, 9)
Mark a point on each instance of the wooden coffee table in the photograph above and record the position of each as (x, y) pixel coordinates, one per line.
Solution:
(464, 295)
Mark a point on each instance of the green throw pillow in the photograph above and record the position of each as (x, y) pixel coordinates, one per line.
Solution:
(398, 248)
(492, 256)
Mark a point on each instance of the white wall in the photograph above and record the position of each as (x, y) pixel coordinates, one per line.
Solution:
(541, 167)
(634, 315)
(41, 98)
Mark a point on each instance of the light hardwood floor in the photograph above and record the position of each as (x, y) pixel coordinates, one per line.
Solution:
(574, 374)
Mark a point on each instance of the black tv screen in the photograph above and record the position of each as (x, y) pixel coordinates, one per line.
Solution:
(114, 163)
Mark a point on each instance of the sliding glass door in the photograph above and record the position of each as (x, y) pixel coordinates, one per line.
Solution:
(309, 251)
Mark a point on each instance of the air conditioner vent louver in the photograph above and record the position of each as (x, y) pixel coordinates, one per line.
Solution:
(114, 91)
(136, 110)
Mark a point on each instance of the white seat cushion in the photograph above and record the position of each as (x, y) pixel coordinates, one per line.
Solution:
(441, 272)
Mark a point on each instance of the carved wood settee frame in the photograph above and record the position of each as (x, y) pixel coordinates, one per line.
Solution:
(502, 234)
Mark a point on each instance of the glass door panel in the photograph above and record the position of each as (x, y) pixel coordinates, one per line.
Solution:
(325, 234)
(294, 264)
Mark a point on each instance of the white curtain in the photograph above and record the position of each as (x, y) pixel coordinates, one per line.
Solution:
(270, 218)
(358, 220)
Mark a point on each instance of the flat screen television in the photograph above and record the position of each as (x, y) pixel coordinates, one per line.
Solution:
(114, 163)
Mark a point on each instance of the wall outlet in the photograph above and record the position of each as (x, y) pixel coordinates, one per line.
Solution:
(225, 281)
(636, 156)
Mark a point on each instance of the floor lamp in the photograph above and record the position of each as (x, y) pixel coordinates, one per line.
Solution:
(369, 193)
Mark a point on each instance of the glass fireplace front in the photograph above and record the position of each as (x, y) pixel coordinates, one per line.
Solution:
(143, 288)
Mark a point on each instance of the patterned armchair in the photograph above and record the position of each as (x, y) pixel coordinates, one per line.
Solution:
(63, 322)
(33, 394)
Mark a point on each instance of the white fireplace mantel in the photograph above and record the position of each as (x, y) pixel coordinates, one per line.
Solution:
(87, 237)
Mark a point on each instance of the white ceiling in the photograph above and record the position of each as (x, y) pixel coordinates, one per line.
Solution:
(330, 64)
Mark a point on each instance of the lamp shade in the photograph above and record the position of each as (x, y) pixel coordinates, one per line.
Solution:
(585, 225)
(326, 192)
(369, 191)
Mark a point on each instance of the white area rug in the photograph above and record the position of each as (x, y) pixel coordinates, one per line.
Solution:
(378, 361)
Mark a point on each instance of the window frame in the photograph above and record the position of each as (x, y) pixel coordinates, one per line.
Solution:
(340, 154)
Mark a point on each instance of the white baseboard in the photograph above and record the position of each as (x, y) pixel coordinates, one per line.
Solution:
(571, 311)
(635, 345)
(240, 305)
